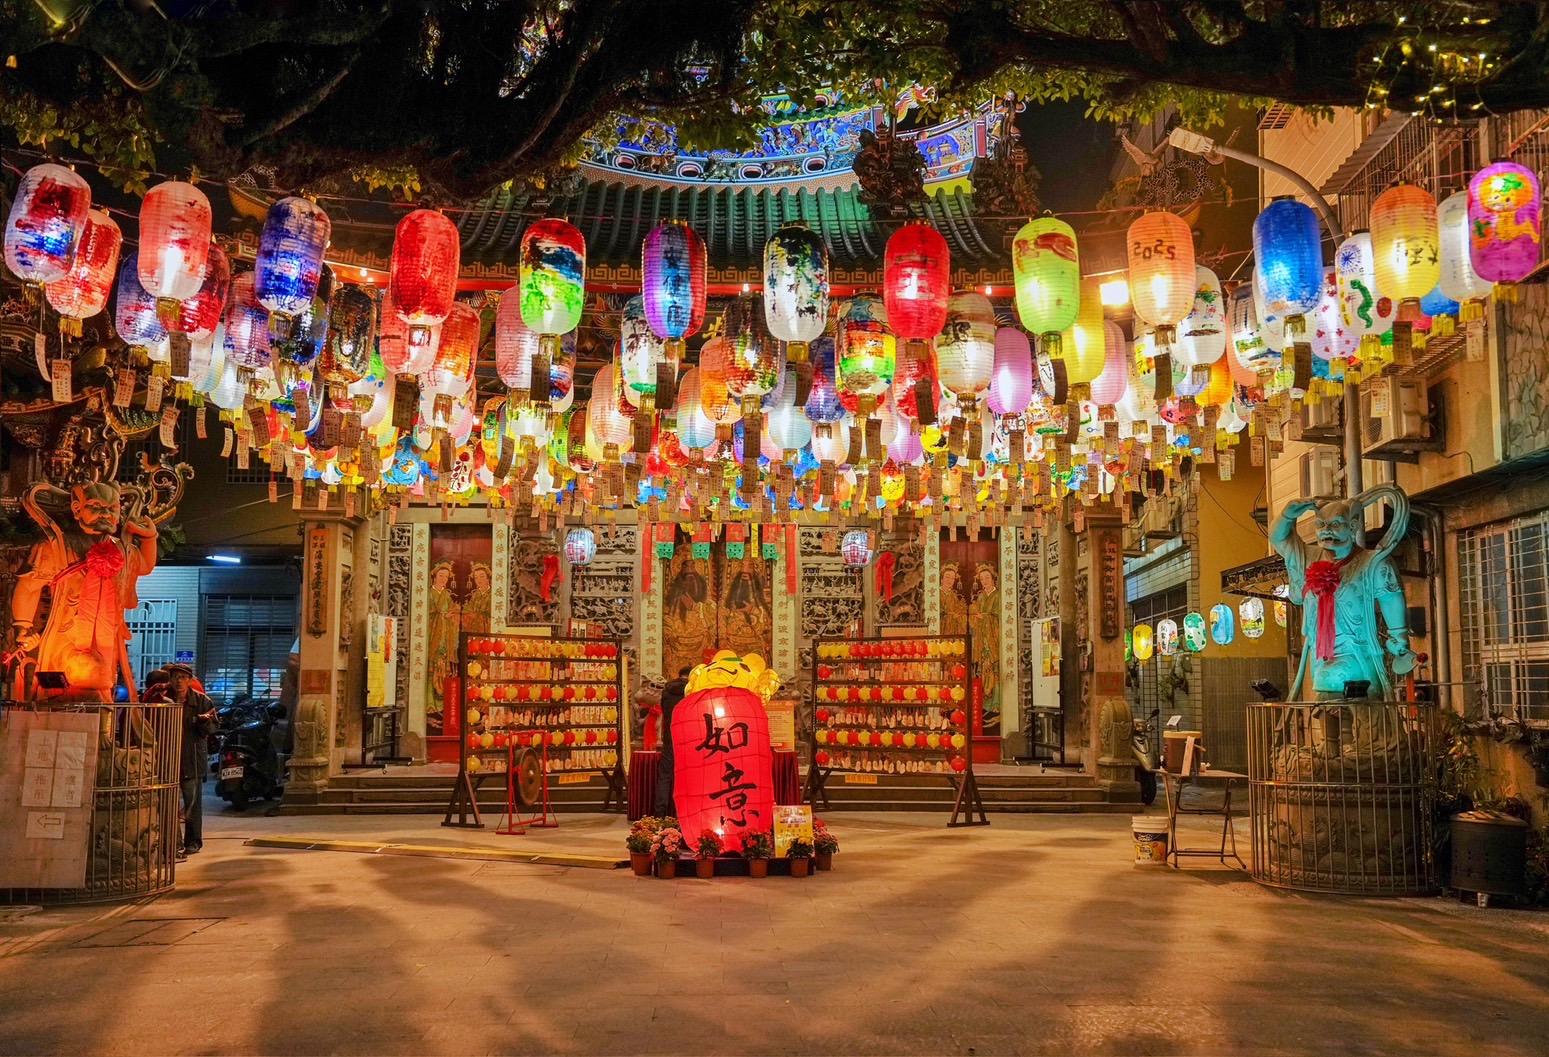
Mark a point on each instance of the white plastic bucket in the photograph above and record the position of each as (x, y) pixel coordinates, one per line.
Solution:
(1150, 833)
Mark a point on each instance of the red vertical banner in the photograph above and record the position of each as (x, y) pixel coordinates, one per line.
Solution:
(723, 772)
(792, 574)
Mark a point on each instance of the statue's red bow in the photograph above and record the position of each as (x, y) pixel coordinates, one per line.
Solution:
(1322, 580)
(105, 560)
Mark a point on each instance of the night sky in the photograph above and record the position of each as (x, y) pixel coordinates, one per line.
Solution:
(1073, 152)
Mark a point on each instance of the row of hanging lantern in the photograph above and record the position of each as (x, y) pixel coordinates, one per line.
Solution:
(1196, 631)
(915, 396)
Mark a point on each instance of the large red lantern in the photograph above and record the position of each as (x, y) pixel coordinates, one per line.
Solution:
(723, 777)
(201, 314)
(83, 292)
(916, 282)
(427, 255)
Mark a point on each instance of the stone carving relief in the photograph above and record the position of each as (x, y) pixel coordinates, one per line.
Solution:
(907, 606)
(524, 602)
(603, 591)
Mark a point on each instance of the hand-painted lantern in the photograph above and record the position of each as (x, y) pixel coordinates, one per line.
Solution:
(916, 283)
(1161, 272)
(640, 349)
(866, 349)
(1223, 625)
(1252, 613)
(134, 309)
(695, 430)
(1167, 637)
(1202, 334)
(247, 327)
(46, 222)
(1047, 270)
(452, 372)
(1141, 642)
(553, 277)
(796, 288)
(351, 338)
(1406, 246)
(917, 374)
(751, 358)
(83, 291)
(175, 227)
(1503, 207)
(1330, 339)
(580, 546)
(787, 425)
(824, 406)
(1011, 379)
(201, 313)
(965, 351)
(1364, 312)
(855, 548)
(673, 284)
(1193, 632)
(422, 282)
(1459, 280)
(515, 342)
(289, 264)
(1288, 249)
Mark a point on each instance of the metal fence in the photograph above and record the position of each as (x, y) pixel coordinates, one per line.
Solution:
(135, 806)
(1338, 796)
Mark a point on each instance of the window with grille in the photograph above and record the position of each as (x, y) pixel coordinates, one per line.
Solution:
(1152, 609)
(153, 635)
(258, 472)
(247, 639)
(1505, 608)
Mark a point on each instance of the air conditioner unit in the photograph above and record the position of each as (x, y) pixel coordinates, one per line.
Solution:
(1324, 422)
(1320, 473)
(1393, 416)
(1158, 520)
(1374, 473)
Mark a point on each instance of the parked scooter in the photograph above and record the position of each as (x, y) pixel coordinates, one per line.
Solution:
(1144, 746)
(250, 767)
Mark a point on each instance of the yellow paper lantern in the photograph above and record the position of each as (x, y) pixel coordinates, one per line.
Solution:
(1142, 642)
(1084, 347)
(1161, 271)
(1406, 245)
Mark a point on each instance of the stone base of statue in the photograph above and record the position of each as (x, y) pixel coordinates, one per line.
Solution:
(1337, 796)
(1115, 758)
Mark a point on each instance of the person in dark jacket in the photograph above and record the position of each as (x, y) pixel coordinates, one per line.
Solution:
(672, 693)
(198, 725)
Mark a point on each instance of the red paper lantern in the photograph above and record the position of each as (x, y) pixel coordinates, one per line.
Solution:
(724, 770)
(916, 281)
(83, 292)
(200, 314)
(175, 226)
(427, 255)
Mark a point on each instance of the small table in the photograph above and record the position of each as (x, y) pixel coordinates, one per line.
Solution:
(1174, 783)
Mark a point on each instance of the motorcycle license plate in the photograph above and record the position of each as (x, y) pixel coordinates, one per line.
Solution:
(231, 772)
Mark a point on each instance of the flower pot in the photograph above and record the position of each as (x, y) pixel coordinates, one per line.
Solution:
(823, 860)
(758, 867)
(704, 869)
(799, 867)
(640, 862)
(667, 868)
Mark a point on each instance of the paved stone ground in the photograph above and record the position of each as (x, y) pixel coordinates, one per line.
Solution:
(1034, 935)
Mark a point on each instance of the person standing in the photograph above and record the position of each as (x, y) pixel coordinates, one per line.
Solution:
(198, 725)
(672, 693)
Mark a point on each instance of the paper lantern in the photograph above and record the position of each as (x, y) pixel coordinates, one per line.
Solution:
(605, 417)
(866, 349)
(788, 425)
(1364, 311)
(1252, 612)
(553, 276)
(83, 290)
(723, 777)
(1161, 271)
(247, 327)
(1047, 270)
(1167, 637)
(1459, 280)
(796, 288)
(1083, 349)
(714, 396)
(753, 360)
(640, 349)
(46, 222)
(1141, 642)
(515, 342)
(916, 282)
(1202, 334)
(296, 354)
(175, 227)
(1108, 387)
(580, 546)
(912, 370)
(1503, 207)
(965, 351)
(422, 280)
(695, 429)
(289, 264)
(452, 371)
(1406, 246)
(1193, 632)
(1330, 339)
(351, 336)
(134, 309)
(201, 313)
(1288, 250)
(1011, 378)
(672, 270)
(855, 548)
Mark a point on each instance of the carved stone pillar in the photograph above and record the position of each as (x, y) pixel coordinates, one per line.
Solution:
(1108, 712)
(331, 609)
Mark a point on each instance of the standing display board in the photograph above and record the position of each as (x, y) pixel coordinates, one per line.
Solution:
(48, 771)
(554, 704)
(896, 706)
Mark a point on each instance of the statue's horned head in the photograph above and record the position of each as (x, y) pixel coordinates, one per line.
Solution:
(1334, 523)
(95, 506)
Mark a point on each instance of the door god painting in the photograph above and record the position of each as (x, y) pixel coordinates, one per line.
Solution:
(459, 598)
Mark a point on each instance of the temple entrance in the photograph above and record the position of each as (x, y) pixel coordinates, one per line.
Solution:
(970, 603)
(714, 603)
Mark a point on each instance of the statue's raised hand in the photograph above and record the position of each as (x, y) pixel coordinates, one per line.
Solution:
(142, 527)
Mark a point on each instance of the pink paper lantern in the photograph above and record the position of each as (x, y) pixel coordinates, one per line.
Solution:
(1503, 215)
(673, 283)
(515, 341)
(1108, 387)
(1011, 378)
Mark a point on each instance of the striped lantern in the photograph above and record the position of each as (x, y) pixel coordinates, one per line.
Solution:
(1011, 379)
(1161, 272)
(1364, 312)
(45, 224)
(580, 546)
(1047, 270)
(916, 282)
(134, 309)
(515, 342)
(83, 290)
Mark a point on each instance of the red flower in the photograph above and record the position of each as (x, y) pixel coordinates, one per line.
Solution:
(104, 560)
(1322, 578)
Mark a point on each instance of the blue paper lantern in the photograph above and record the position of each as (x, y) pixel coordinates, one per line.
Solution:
(1223, 625)
(1289, 250)
(289, 264)
(823, 403)
(1437, 303)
